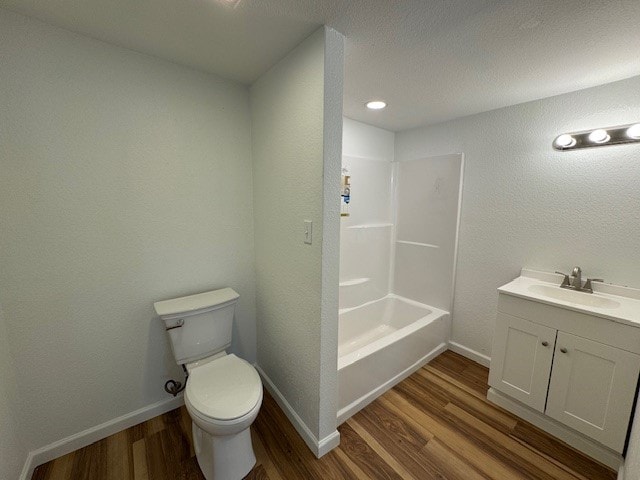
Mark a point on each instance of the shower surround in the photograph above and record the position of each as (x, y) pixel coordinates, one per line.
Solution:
(397, 264)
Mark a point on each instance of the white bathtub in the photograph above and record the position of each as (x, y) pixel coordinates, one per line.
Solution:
(381, 343)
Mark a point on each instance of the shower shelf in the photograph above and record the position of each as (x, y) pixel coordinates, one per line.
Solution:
(355, 281)
(371, 225)
(406, 242)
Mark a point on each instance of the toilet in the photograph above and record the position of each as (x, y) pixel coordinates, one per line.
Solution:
(223, 393)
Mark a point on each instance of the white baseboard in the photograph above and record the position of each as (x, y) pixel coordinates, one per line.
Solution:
(477, 357)
(328, 443)
(318, 447)
(91, 435)
(621, 472)
(28, 468)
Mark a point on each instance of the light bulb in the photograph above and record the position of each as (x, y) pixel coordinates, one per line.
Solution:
(565, 141)
(634, 131)
(599, 136)
(376, 105)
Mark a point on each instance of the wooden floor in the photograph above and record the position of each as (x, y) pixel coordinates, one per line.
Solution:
(436, 424)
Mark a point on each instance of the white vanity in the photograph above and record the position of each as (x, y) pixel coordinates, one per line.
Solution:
(568, 361)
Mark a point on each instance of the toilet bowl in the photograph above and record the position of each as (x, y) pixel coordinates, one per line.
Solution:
(223, 393)
(223, 398)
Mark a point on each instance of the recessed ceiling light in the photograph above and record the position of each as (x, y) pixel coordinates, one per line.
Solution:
(231, 3)
(376, 105)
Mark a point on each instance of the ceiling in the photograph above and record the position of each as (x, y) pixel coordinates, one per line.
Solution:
(431, 60)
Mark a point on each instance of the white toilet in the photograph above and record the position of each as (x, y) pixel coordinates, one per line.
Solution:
(223, 393)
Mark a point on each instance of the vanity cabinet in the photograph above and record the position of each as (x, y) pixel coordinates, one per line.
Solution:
(521, 360)
(592, 388)
(577, 369)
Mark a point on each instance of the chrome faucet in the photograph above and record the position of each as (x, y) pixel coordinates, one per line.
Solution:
(576, 278)
(574, 281)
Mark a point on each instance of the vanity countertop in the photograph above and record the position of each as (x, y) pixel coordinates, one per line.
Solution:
(613, 302)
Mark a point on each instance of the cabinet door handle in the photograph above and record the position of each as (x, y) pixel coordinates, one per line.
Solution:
(563, 350)
(545, 344)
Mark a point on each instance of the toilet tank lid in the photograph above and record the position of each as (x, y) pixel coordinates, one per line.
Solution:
(194, 303)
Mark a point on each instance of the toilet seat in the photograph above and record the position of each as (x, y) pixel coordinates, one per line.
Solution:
(224, 391)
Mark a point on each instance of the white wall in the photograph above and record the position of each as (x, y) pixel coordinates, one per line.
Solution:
(13, 452)
(329, 301)
(365, 235)
(125, 180)
(366, 141)
(525, 204)
(292, 152)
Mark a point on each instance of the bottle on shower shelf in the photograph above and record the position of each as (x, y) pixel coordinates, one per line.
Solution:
(345, 193)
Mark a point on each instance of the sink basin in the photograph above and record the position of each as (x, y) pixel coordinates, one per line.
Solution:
(613, 302)
(571, 296)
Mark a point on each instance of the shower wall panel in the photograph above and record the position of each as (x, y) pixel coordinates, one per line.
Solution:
(365, 235)
(427, 196)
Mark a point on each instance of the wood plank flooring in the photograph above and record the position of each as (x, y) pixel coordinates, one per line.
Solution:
(437, 424)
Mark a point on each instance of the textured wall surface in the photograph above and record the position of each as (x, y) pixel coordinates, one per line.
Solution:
(12, 449)
(125, 180)
(287, 105)
(363, 140)
(332, 154)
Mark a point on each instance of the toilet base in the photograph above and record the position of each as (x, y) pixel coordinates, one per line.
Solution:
(227, 457)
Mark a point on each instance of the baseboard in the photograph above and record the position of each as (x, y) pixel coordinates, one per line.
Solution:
(347, 412)
(621, 472)
(328, 443)
(477, 357)
(28, 468)
(318, 447)
(91, 435)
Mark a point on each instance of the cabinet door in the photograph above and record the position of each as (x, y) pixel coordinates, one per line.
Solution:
(521, 360)
(592, 388)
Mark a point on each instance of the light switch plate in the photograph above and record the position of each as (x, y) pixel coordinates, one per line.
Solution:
(308, 231)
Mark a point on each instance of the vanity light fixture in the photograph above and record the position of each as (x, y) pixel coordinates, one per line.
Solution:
(376, 105)
(598, 137)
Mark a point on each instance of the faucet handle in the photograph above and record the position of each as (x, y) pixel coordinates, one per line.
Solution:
(588, 286)
(565, 281)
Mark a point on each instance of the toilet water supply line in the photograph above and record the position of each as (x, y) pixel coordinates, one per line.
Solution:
(173, 387)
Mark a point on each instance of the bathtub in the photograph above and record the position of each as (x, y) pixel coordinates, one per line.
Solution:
(382, 342)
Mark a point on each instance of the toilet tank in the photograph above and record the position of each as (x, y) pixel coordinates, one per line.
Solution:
(198, 325)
